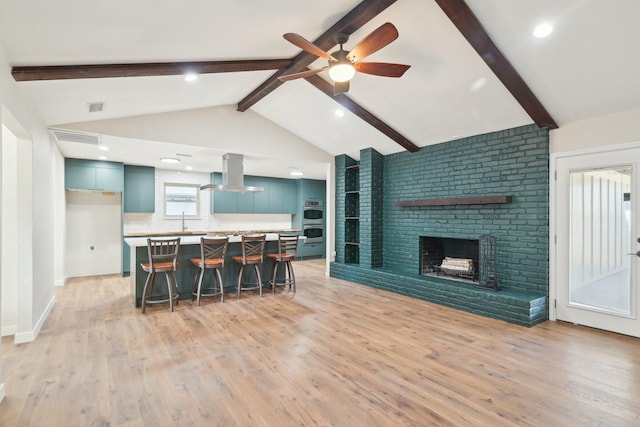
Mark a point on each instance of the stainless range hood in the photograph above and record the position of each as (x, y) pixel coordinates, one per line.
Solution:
(232, 176)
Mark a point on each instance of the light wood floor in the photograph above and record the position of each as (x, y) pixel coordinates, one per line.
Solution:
(333, 354)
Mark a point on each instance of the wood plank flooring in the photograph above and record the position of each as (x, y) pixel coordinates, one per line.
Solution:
(333, 354)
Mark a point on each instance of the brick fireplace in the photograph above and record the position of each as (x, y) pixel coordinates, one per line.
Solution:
(495, 184)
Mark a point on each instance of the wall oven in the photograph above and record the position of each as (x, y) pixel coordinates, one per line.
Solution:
(313, 221)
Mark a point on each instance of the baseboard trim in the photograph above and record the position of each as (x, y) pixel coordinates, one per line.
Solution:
(23, 337)
(9, 330)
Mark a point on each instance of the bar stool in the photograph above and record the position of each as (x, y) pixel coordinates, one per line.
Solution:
(212, 254)
(252, 254)
(163, 258)
(287, 248)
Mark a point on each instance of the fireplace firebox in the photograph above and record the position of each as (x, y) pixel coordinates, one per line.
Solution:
(457, 258)
(461, 259)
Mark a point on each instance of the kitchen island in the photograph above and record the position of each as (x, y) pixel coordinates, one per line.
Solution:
(185, 274)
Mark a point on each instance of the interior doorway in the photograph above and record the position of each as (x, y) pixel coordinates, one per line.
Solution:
(94, 239)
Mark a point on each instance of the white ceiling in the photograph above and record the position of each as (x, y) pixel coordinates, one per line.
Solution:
(587, 67)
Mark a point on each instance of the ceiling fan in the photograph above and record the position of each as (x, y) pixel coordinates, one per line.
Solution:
(343, 64)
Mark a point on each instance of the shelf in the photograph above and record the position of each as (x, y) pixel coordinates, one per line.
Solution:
(352, 167)
(352, 192)
(352, 218)
(477, 200)
(352, 243)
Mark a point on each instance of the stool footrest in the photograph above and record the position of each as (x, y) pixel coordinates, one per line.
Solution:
(156, 299)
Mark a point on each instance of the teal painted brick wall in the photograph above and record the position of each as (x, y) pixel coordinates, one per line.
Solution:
(371, 203)
(340, 164)
(510, 162)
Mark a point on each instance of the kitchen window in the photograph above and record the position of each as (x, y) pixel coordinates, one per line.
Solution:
(181, 200)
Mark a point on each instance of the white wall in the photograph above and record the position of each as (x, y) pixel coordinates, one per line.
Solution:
(36, 200)
(610, 129)
(94, 224)
(141, 222)
(9, 283)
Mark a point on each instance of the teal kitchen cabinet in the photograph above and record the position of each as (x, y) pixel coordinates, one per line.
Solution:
(139, 189)
(261, 198)
(311, 250)
(282, 196)
(126, 260)
(313, 189)
(279, 196)
(222, 201)
(82, 174)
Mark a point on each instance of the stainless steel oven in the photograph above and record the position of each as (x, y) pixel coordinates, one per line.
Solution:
(313, 221)
(313, 233)
(313, 212)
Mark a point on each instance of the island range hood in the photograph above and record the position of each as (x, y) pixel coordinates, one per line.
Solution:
(232, 176)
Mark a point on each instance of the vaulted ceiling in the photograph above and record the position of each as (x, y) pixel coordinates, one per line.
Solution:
(475, 68)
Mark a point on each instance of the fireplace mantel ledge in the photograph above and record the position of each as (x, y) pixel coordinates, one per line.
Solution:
(452, 201)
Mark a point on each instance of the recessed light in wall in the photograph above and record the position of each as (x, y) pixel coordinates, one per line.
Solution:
(190, 77)
(339, 113)
(169, 160)
(542, 30)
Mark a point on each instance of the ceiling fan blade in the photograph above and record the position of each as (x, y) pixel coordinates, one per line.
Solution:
(305, 44)
(301, 74)
(340, 87)
(379, 38)
(384, 69)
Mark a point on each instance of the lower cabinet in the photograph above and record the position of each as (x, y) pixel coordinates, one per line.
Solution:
(311, 250)
(126, 258)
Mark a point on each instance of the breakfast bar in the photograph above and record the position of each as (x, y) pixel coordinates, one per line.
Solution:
(185, 274)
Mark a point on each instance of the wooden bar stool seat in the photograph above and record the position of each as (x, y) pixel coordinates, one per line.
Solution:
(212, 255)
(287, 248)
(252, 254)
(163, 258)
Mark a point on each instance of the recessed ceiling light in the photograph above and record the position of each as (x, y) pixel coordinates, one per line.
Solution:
(102, 157)
(189, 168)
(103, 148)
(542, 30)
(339, 113)
(296, 173)
(169, 160)
(190, 77)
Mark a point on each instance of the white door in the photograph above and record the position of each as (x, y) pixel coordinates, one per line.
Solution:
(598, 240)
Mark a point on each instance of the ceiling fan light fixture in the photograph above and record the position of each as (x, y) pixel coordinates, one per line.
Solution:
(342, 72)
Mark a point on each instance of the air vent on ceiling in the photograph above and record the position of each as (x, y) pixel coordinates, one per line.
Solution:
(95, 107)
(75, 136)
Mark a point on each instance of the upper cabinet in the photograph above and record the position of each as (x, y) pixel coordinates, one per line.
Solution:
(93, 175)
(313, 189)
(278, 197)
(139, 189)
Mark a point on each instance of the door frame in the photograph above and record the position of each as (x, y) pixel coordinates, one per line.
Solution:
(553, 212)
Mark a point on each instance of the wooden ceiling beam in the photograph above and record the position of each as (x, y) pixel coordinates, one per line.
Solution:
(60, 72)
(468, 24)
(352, 21)
(342, 99)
